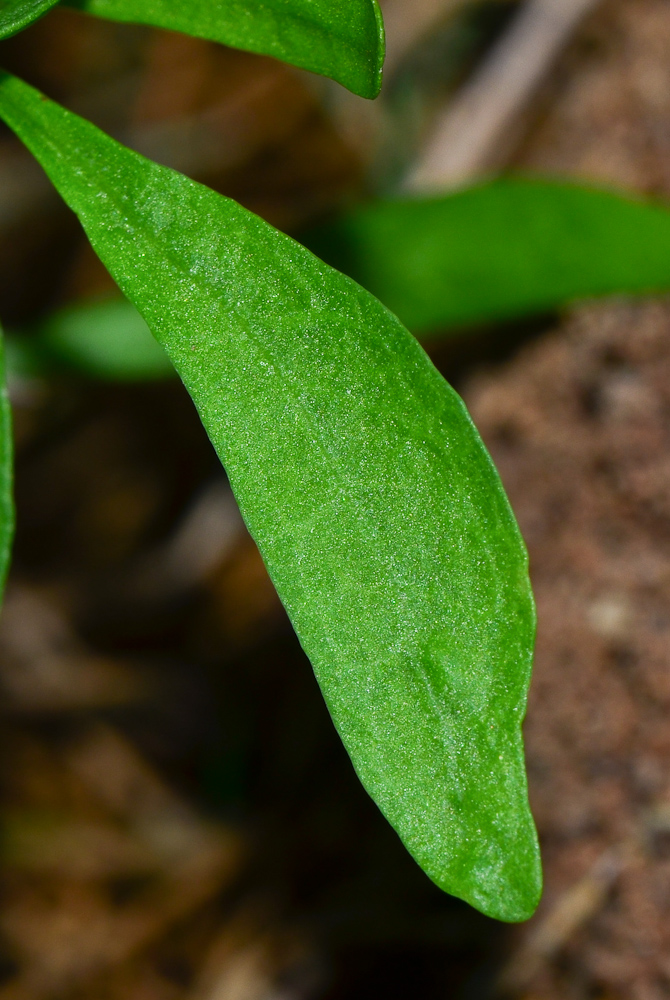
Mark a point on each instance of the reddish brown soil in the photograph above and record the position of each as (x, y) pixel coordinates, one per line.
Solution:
(579, 425)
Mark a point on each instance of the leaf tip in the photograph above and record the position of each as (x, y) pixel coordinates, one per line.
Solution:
(512, 893)
(374, 85)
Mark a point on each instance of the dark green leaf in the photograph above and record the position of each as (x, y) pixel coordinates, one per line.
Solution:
(499, 250)
(373, 501)
(107, 339)
(18, 14)
(6, 476)
(343, 39)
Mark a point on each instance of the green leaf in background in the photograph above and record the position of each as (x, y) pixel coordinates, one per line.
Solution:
(502, 249)
(102, 339)
(6, 475)
(377, 509)
(107, 339)
(18, 14)
(23, 363)
(342, 39)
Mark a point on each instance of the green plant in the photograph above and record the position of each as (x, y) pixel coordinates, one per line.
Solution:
(378, 512)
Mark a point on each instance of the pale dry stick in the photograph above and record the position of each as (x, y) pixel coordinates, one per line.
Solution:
(362, 123)
(249, 958)
(581, 902)
(406, 22)
(572, 910)
(468, 132)
(207, 534)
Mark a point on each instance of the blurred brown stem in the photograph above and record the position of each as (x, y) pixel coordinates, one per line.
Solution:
(467, 133)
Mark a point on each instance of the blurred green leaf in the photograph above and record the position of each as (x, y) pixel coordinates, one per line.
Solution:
(6, 475)
(342, 39)
(359, 473)
(108, 340)
(18, 14)
(23, 359)
(507, 248)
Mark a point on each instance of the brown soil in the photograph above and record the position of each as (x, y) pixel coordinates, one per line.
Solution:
(579, 426)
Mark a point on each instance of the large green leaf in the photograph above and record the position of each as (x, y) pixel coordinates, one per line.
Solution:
(6, 475)
(373, 501)
(343, 39)
(498, 250)
(18, 14)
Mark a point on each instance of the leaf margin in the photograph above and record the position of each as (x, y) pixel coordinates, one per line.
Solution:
(359, 71)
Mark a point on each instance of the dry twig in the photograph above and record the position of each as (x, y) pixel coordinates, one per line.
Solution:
(469, 131)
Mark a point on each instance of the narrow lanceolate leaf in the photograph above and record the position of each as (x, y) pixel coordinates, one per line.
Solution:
(6, 476)
(342, 39)
(18, 14)
(499, 250)
(373, 501)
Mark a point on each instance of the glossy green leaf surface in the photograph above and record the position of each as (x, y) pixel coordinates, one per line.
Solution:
(377, 509)
(507, 248)
(107, 339)
(18, 14)
(342, 39)
(6, 475)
